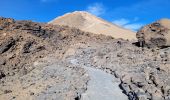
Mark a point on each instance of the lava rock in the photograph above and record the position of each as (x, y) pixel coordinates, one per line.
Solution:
(27, 46)
(6, 45)
(2, 61)
(2, 74)
(156, 34)
(1, 28)
(7, 91)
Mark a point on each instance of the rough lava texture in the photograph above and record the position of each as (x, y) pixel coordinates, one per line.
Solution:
(144, 73)
(17, 46)
(22, 40)
(35, 63)
(22, 43)
(52, 81)
(156, 34)
(31, 58)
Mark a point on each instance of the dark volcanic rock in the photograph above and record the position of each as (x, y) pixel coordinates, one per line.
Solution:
(156, 34)
(6, 45)
(2, 74)
(5, 22)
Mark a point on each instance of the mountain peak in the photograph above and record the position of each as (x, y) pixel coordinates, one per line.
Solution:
(90, 23)
(80, 12)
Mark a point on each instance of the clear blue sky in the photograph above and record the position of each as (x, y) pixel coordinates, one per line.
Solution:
(131, 14)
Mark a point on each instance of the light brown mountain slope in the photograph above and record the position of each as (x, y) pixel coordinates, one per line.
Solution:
(90, 23)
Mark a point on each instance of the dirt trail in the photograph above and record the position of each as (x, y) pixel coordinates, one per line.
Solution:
(102, 86)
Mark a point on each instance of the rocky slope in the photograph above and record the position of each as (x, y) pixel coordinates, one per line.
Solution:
(22, 44)
(90, 23)
(144, 73)
(35, 63)
(21, 40)
(156, 34)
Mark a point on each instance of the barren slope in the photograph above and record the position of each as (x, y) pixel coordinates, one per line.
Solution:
(37, 59)
(31, 58)
(90, 23)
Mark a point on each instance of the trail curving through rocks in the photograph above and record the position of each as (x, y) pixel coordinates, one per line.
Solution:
(101, 86)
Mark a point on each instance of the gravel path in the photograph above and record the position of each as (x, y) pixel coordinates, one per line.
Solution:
(102, 86)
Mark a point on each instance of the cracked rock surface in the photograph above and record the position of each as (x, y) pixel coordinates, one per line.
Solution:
(52, 81)
(144, 73)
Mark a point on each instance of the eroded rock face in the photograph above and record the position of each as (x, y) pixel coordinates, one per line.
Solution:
(22, 43)
(156, 34)
(144, 74)
(6, 45)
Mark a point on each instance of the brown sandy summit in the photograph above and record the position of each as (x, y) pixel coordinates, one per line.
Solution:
(90, 23)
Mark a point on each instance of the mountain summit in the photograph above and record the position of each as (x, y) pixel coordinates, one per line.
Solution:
(90, 23)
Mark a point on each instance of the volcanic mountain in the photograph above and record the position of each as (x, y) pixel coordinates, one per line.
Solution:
(90, 23)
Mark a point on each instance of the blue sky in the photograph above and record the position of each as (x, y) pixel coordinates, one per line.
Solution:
(131, 14)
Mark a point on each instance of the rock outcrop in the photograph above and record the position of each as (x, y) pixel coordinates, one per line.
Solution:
(156, 34)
